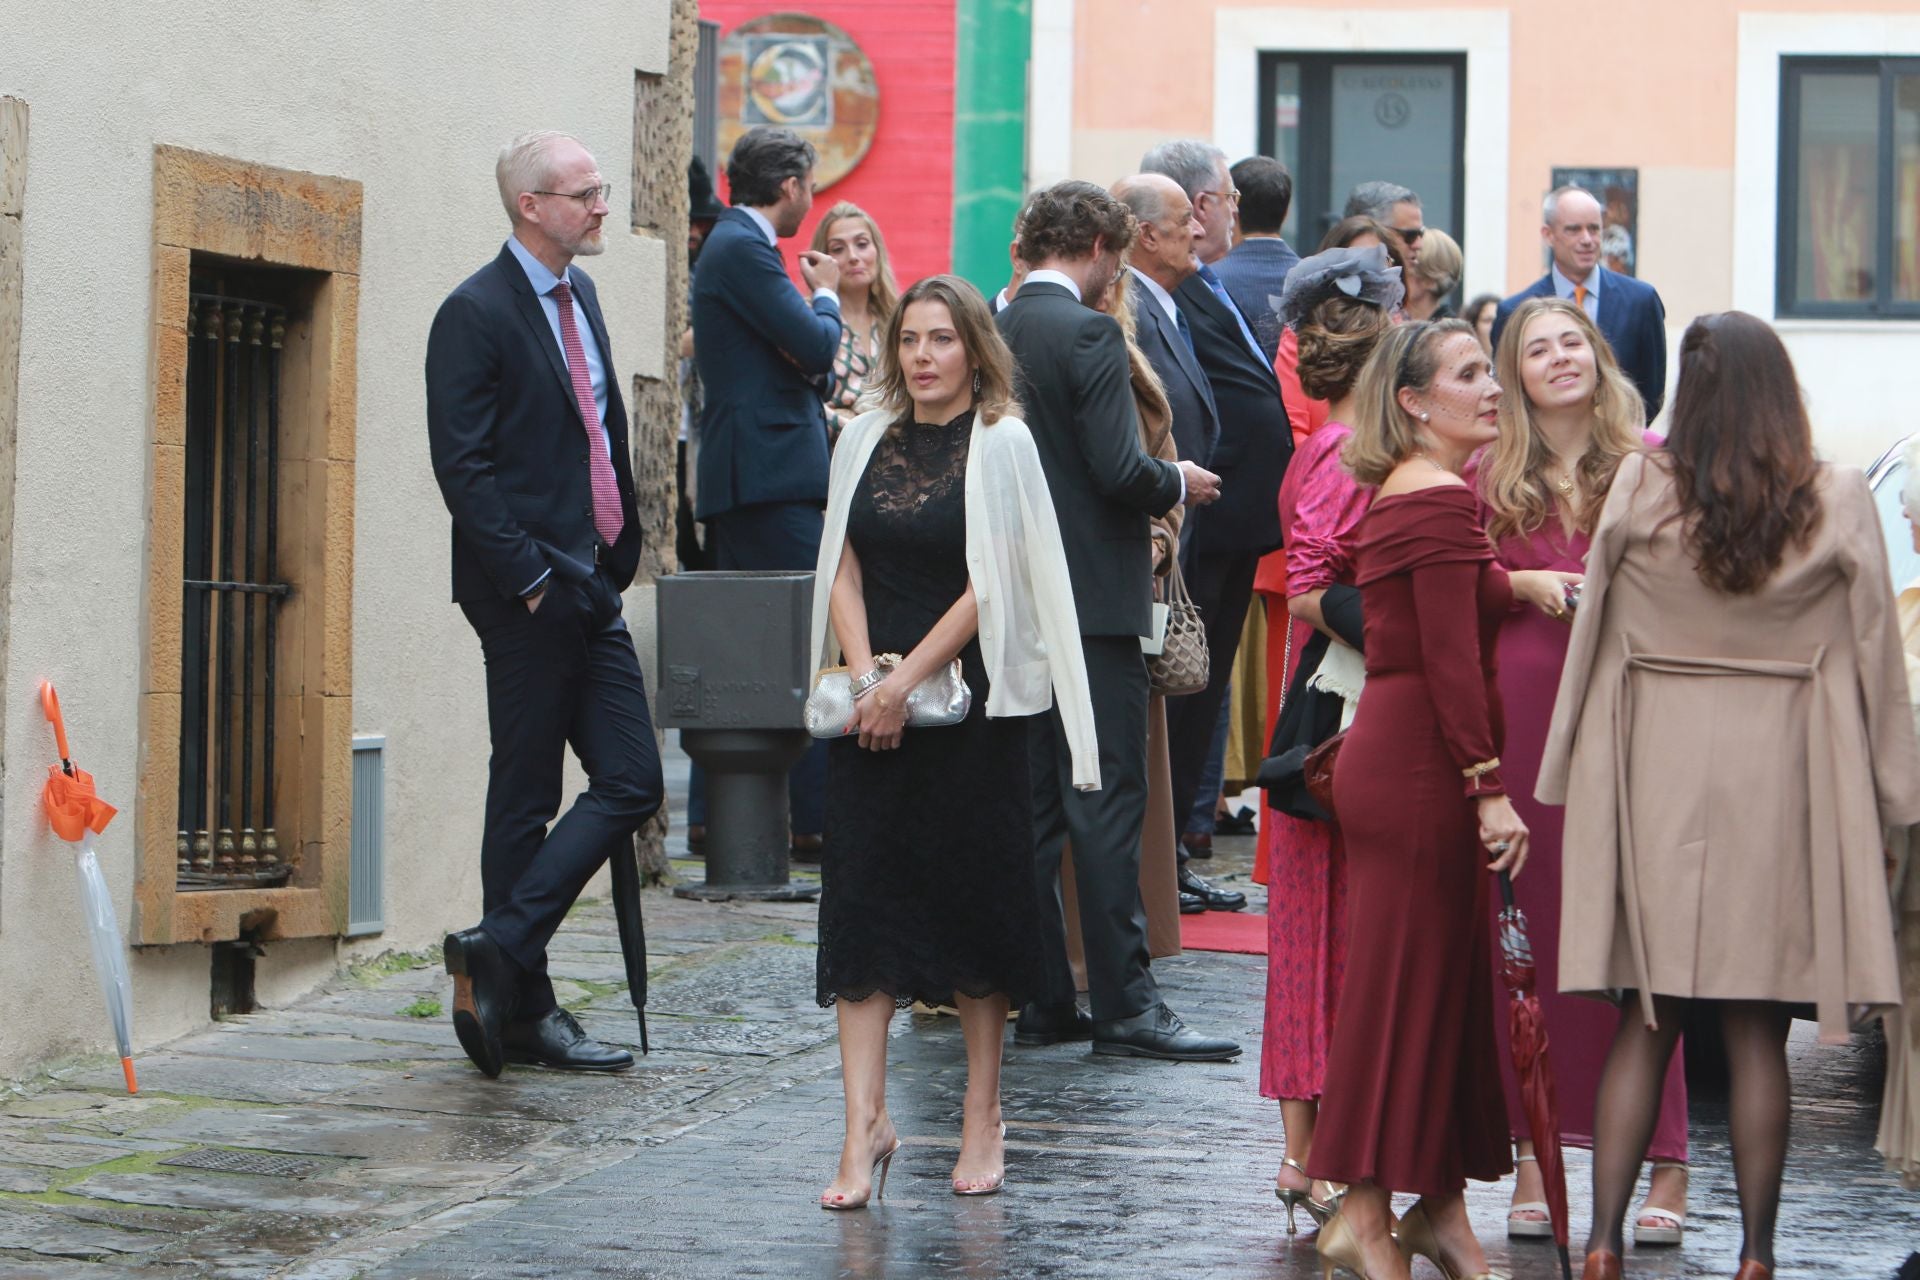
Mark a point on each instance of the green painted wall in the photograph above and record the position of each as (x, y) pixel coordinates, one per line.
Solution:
(990, 134)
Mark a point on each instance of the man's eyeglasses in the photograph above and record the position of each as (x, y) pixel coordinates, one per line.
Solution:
(602, 192)
(1231, 195)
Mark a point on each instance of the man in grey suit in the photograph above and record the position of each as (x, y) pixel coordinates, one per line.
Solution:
(1079, 405)
(1255, 270)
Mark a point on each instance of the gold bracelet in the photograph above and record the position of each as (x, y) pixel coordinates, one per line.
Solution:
(1485, 766)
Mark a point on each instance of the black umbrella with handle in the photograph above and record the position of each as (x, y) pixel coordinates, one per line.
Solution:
(633, 930)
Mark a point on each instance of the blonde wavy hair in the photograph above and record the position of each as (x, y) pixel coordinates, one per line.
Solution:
(986, 352)
(1145, 378)
(1384, 433)
(883, 295)
(1513, 477)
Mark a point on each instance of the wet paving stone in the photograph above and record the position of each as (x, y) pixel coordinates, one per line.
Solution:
(335, 1131)
(32, 1229)
(185, 1189)
(265, 1047)
(203, 1076)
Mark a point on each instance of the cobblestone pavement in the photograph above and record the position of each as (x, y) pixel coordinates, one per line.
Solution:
(347, 1137)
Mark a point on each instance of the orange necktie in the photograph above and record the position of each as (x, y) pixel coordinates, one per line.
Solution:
(1580, 296)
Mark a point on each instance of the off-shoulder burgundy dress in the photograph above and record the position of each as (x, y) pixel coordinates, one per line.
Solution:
(1412, 1098)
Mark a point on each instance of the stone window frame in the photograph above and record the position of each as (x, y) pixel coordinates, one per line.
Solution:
(258, 216)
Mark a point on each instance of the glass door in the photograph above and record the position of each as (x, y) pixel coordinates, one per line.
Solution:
(1336, 120)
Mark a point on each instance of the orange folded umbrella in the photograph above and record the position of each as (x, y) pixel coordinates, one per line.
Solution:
(77, 814)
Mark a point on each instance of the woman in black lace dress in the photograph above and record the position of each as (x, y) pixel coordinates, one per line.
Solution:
(940, 542)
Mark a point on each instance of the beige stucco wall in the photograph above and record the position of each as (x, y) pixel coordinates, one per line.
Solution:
(1668, 87)
(412, 102)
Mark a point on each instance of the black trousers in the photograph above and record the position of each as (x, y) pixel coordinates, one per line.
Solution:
(563, 675)
(1222, 585)
(1105, 827)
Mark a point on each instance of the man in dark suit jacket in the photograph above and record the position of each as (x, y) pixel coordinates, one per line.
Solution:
(762, 350)
(1629, 312)
(1075, 387)
(528, 434)
(1229, 537)
(1161, 261)
(1255, 270)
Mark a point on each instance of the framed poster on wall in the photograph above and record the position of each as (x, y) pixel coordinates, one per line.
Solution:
(1618, 191)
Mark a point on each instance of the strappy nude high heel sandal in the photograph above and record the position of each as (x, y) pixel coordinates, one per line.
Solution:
(881, 1164)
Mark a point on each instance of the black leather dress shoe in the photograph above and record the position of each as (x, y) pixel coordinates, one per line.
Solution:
(1051, 1024)
(555, 1039)
(483, 990)
(1192, 904)
(1211, 895)
(1159, 1033)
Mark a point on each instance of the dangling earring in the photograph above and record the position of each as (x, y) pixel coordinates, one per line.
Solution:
(976, 384)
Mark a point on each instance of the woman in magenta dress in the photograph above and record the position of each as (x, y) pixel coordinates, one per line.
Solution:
(1320, 506)
(1569, 417)
(1412, 1100)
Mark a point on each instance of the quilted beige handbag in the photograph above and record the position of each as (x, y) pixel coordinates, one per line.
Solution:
(1181, 665)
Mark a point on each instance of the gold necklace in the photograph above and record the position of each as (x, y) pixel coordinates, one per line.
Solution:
(1565, 485)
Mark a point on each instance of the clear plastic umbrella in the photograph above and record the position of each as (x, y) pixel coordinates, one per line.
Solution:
(77, 814)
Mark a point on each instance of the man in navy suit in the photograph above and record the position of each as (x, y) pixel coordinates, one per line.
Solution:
(1161, 261)
(528, 435)
(1223, 543)
(1255, 270)
(1628, 312)
(762, 351)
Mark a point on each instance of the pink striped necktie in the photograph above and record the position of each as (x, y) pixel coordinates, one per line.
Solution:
(607, 516)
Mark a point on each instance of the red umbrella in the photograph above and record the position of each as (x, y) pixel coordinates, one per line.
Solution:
(1527, 1028)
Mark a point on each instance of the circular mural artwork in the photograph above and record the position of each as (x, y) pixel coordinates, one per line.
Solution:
(806, 75)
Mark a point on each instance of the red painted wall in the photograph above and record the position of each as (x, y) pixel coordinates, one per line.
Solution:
(906, 179)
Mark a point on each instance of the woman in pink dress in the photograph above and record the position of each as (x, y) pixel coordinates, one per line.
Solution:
(1320, 506)
(1570, 415)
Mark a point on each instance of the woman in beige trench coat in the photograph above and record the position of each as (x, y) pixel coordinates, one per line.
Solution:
(1731, 737)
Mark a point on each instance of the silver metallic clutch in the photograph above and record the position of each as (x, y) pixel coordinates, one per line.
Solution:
(941, 699)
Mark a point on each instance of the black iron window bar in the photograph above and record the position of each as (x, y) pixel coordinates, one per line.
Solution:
(226, 837)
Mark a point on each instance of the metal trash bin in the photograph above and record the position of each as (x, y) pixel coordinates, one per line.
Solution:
(734, 659)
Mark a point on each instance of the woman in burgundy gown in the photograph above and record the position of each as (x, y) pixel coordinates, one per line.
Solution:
(1412, 1100)
(1569, 417)
(1321, 505)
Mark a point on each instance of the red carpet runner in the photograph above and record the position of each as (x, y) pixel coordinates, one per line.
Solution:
(1238, 931)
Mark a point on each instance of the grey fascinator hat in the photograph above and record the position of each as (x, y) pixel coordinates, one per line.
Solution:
(1366, 274)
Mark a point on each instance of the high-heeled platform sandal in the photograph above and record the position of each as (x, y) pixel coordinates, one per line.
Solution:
(1529, 1228)
(994, 1184)
(1294, 1196)
(881, 1164)
(1416, 1239)
(1674, 1224)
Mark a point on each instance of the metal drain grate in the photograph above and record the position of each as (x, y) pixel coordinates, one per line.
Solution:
(223, 1161)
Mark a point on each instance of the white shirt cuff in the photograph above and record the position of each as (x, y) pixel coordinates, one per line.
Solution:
(1183, 483)
(538, 583)
(828, 294)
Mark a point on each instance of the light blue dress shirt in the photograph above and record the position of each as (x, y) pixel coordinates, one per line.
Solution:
(1563, 287)
(543, 281)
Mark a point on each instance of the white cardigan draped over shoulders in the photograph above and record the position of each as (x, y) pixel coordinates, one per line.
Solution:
(1017, 563)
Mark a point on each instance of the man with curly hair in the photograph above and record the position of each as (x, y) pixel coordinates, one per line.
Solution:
(1074, 385)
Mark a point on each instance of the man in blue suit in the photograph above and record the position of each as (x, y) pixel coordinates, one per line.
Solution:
(1255, 270)
(1629, 312)
(762, 351)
